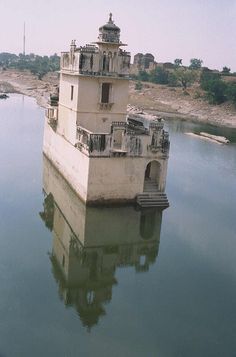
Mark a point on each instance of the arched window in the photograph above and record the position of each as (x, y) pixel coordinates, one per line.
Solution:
(81, 61)
(104, 60)
(91, 62)
(106, 90)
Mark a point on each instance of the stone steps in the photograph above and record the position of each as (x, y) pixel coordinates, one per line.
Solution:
(150, 186)
(153, 199)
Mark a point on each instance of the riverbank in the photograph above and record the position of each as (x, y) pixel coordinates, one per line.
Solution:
(24, 82)
(173, 103)
(169, 103)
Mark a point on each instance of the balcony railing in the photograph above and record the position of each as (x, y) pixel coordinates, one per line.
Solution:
(52, 116)
(105, 106)
(156, 125)
(119, 124)
(127, 143)
(92, 143)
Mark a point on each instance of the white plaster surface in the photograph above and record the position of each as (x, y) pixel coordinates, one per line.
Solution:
(98, 179)
(72, 164)
(82, 219)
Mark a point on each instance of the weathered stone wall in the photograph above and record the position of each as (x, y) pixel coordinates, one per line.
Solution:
(82, 219)
(71, 163)
(85, 109)
(143, 63)
(119, 179)
(97, 180)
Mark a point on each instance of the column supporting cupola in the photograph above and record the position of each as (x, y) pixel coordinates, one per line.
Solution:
(109, 33)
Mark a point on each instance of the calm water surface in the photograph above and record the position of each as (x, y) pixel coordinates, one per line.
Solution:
(115, 281)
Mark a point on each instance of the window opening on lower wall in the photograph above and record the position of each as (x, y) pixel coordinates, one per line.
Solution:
(71, 92)
(106, 89)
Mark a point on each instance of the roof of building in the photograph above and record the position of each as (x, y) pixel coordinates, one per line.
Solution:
(110, 25)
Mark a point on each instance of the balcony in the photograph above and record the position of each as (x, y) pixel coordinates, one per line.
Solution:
(157, 125)
(122, 142)
(93, 144)
(105, 106)
(51, 114)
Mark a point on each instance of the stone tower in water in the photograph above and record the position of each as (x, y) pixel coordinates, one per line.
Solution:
(105, 155)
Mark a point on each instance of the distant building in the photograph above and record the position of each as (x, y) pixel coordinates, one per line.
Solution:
(167, 65)
(143, 63)
(105, 155)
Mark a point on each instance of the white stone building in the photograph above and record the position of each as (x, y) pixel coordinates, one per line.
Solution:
(105, 155)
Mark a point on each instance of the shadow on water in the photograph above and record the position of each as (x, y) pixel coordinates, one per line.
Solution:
(90, 243)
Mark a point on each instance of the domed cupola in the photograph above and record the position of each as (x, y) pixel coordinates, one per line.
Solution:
(109, 32)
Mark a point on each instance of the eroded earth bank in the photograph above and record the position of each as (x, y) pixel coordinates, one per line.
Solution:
(159, 99)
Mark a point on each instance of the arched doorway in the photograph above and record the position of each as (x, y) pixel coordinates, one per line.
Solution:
(152, 176)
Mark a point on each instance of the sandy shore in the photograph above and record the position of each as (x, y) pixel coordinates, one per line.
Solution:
(173, 103)
(170, 103)
(26, 83)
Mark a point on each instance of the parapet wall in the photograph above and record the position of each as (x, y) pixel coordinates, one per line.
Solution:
(100, 180)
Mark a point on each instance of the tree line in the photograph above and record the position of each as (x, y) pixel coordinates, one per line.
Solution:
(38, 65)
(217, 90)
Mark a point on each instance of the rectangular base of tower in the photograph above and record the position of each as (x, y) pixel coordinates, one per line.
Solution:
(96, 180)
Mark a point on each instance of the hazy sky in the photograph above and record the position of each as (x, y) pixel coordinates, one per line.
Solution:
(169, 29)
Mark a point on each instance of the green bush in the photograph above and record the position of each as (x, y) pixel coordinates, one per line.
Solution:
(231, 92)
(214, 86)
(216, 91)
(143, 76)
(159, 76)
(173, 80)
(138, 85)
(185, 77)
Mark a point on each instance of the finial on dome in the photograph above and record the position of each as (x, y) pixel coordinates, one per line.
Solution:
(110, 18)
(109, 32)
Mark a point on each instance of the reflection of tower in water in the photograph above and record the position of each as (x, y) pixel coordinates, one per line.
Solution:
(89, 243)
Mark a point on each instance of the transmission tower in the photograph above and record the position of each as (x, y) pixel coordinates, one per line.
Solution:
(24, 41)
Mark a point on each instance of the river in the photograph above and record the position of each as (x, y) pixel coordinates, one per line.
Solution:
(116, 281)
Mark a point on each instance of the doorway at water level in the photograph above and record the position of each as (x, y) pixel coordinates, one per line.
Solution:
(152, 176)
